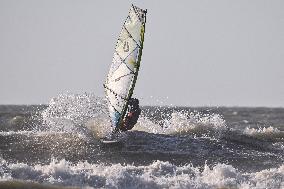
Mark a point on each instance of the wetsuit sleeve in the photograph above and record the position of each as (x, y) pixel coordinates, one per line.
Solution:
(136, 116)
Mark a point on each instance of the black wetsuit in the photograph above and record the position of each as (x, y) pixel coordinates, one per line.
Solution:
(132, 116)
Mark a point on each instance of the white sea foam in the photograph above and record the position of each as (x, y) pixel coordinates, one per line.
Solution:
(8, 133)
(158, 174)
(264, 130)
(185, 122)
(265, 133)
(35, 133)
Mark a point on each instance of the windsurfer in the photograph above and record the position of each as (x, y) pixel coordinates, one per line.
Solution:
(132, 116)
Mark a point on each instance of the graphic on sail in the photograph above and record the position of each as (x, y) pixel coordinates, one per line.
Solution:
(125, 65)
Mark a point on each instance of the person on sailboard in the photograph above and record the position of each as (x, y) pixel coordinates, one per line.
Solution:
(132, 116)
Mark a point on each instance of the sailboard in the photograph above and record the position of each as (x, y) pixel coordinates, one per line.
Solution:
(125, 65)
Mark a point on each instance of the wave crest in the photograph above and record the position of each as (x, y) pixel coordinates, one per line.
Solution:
(158, 174)
(268, 133)
(185, 122)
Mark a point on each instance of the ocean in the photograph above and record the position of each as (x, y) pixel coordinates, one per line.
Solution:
(57, 146)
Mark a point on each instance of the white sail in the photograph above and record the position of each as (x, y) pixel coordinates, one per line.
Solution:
(124, 69)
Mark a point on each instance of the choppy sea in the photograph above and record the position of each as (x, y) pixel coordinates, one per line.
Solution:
(56, 146)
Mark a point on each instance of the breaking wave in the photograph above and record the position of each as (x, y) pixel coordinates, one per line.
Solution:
(158, 174)
(268, 133)
(184, 123)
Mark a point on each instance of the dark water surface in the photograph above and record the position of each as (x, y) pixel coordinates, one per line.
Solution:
(171, 147)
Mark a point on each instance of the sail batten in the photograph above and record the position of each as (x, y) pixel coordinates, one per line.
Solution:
(125, 65)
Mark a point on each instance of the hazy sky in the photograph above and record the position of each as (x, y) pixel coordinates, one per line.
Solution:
(196, 53)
